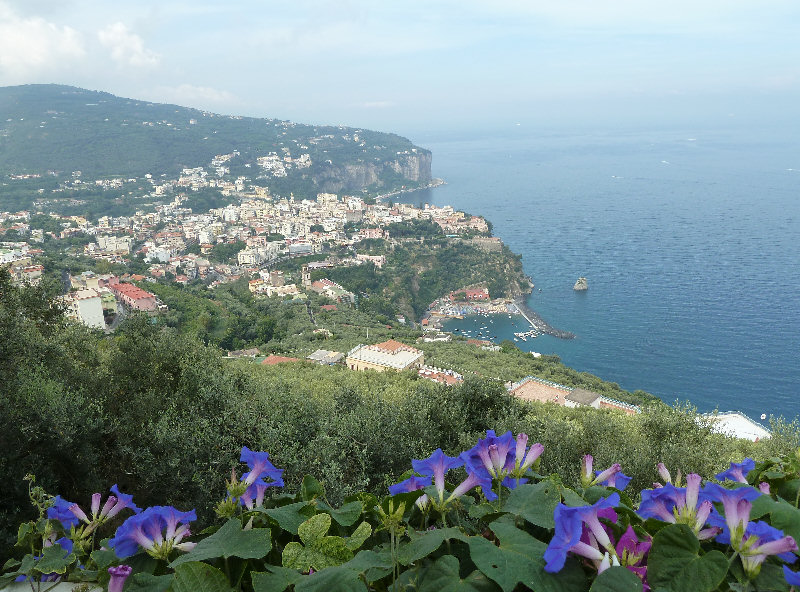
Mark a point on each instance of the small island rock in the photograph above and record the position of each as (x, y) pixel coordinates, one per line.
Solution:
(581, 285)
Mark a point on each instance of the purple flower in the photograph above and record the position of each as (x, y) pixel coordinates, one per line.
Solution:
(474, 480)
(682, 505)
(147, 530)
(792, 577)
(587, 475)
(630, 549)
(122, 501)
(737, 504)
(436, 465)
(570, 522)
(260, 468)
(664, 473)
(60, 510)
(737, 471)
(118, 576)
(525, 457)
(762, 540)
(494, 455)
(616, 479)
(413, 483)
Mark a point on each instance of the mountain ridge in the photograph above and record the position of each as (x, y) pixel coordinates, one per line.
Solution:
(59, 129)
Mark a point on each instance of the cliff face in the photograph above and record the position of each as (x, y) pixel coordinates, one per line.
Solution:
(412, 167)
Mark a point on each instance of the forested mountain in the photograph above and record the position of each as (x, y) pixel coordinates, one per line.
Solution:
(54, 130)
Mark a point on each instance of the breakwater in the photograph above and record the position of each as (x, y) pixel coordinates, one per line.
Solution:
(538, 322)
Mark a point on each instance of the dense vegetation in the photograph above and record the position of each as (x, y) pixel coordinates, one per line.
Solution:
(164, 416)
(417, 272)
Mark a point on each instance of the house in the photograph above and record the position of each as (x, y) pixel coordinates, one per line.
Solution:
(134, 297)
(446, 377)
(325, 357)
(738, 425)
(532, 388)
(86, 306)
(389, 355)
(272, 359)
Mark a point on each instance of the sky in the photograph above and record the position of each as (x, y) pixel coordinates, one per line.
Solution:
(413, 65)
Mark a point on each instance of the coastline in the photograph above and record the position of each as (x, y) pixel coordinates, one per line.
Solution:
(431, 185)
(538, 323)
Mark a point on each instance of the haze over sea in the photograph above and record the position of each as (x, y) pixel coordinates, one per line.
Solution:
(689, 241)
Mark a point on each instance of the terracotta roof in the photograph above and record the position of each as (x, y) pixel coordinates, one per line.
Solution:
(393, 346)
(271, 360)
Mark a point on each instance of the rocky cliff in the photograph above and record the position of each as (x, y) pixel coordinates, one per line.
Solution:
(412, 167)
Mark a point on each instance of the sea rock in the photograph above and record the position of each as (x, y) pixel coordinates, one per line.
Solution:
(581, 285)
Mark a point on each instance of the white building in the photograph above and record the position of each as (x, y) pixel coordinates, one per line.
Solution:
(86, 306)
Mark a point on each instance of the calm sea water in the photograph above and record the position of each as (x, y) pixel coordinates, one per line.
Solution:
(689, 241)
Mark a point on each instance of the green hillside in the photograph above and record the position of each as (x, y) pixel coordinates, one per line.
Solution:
(60, 129)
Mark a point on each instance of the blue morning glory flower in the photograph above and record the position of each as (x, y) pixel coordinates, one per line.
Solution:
(792, 577)
(761, 541)
(737, 504)
(568, 530)
(60, 510)
(413, 483)
(260, 468)
(617, 479)
(436, 465)
(737, 471)
(493, 456)
(158, 530)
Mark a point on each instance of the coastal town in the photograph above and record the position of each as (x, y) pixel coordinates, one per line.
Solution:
(173, 243)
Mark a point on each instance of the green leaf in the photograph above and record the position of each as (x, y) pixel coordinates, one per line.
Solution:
(360, 534)
(311, 488)
(314, 528)
(277, 581)
(771, 579)
(320, 551)
(373, 565)
(762, 506)
(200, 577)
(617, 579)
(571, 498)
(346, 515)
(674, 564)
(104, 558)
(289, 517)
(520, 559)
(443, 576)
(230, 541)
(535, 503)
(786, 518)
(145, 582)
(54, 560)
(331, 579)
(422, 545)
(480, 511)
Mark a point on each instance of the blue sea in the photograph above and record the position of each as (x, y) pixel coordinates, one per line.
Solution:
(689, 240)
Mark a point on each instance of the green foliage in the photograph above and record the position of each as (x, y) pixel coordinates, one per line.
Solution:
(677, 565)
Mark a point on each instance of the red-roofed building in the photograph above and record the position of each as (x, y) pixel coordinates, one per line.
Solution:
(329, 307)
(134, 297)
(271, 360)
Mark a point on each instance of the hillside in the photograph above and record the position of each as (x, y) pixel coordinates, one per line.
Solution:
(52, 131)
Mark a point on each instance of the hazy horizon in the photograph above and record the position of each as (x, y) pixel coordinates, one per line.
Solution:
(412, 66)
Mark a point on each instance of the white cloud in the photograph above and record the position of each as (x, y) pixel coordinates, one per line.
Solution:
(31, 46)
(127, 47)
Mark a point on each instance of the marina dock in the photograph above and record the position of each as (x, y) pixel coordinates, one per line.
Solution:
(538, 323)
